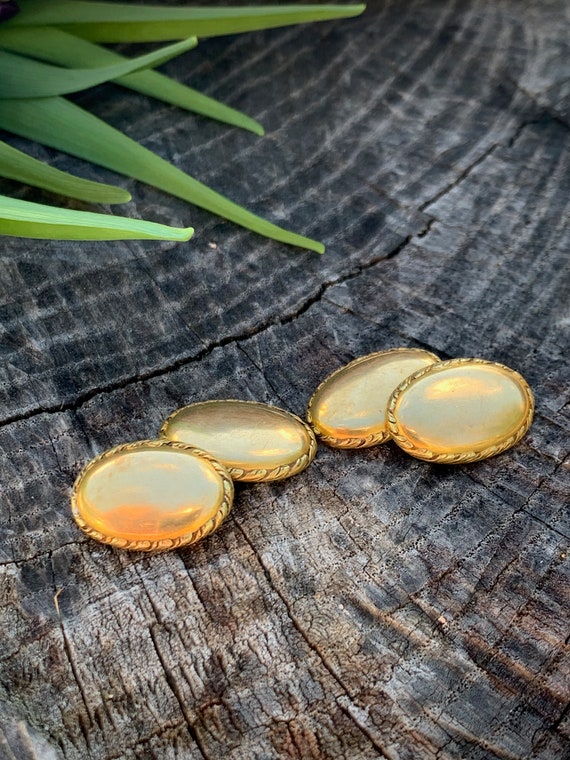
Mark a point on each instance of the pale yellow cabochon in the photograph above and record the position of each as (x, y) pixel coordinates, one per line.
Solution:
(244, 435)
(352, 402)
(149, 494)
(462, 408)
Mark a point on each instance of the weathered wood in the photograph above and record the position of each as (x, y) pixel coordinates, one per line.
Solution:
(374, 606)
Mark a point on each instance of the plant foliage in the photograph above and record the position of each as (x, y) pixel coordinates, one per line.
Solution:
(51, 49)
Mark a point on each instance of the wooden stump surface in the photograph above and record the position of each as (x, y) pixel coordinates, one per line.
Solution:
(375, 605)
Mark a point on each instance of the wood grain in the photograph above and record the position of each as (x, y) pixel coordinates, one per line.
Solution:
(374, 605)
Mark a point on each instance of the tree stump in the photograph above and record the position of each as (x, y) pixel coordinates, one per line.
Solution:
(375, 605)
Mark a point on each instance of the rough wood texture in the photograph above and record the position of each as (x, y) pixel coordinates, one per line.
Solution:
(374, 606)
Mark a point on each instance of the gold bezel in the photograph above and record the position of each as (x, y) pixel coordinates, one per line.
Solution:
(468, 456)
(167, 543)
(258, 475)
(370, 440)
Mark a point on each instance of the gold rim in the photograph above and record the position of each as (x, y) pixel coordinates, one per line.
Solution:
(260, 474)
(468, 456)
(373, 439)
(166, 543)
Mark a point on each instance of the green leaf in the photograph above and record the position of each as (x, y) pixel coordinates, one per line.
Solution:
(19, 166)
(34, 220)
(65, 126)
(117, 22)
(57, 46)
(24, 78)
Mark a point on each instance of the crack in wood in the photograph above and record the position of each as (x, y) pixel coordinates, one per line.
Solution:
(459, 179)
(275, 321)
(384, 752)
(319, 294)
(168, 675)
(39, 555)
(544, 113)
(84, 727)
(546, 525)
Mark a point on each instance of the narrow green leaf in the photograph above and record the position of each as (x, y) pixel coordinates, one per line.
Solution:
(19, 166)
(65, 126)
(25, 78)
(117, 22)
(57, 46)
(168, 90)
(35, 220)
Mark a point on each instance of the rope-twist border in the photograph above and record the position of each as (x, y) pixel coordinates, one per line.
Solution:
(166, 543)
(382, 436)
(258, 475)
(473, 455)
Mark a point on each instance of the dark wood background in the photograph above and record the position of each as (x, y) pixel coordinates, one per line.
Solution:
(374, 606)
